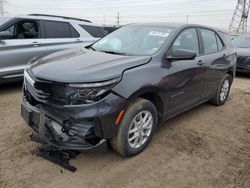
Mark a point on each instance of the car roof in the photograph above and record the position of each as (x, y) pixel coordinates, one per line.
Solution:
(57, 18)
(177, 25)
(160, 24)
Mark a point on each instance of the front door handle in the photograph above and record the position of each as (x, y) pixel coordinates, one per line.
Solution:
(200, 62)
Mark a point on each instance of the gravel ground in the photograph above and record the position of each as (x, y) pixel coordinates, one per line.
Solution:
(206, 147)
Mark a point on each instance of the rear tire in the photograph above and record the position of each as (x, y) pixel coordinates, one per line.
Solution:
(136, 128)
(223, 91)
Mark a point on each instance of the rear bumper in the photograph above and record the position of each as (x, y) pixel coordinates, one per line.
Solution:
(81, 127)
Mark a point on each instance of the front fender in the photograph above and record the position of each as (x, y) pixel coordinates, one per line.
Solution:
(141, 81)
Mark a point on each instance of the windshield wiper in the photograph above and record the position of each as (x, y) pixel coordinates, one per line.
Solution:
(244, 47)
(90, 47)
(112, 52)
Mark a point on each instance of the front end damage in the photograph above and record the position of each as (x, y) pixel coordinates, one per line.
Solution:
(60, 142)
(60, 133)
(64, 126)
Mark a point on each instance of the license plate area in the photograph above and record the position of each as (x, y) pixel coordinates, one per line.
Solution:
(32, 118)
(26, 114)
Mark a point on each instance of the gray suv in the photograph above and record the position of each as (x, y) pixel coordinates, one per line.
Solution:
(24, 38)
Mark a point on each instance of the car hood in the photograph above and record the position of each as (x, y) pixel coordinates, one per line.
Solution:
(243, 51)
(82, 65)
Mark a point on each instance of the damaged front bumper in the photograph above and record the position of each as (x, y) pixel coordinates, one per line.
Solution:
(77, 137)
(70, 128)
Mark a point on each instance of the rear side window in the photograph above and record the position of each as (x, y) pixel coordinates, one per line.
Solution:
(74, 33)
(219, 43)
(94, 31)
(59, 30)
(209, 41)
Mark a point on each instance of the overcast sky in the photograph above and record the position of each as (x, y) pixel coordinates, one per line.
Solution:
(216, 13)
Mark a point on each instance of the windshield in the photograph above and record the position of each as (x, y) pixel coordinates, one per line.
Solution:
(241, 42)
(134, 40)
(4, 20)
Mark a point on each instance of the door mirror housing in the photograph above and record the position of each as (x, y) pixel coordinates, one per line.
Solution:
(181, 55)
(5, 35)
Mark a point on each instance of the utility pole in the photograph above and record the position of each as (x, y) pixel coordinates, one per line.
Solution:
(104, 19)
(239, 21)
(118, 19)
(187, 18)
(1, 7)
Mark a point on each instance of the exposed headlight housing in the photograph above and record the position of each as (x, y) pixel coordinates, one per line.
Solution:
(89, 92)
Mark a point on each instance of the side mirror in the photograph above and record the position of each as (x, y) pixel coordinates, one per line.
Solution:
(181, 55)
(5, 35)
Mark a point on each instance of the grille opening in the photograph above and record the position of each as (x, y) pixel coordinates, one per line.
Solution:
(44, 92)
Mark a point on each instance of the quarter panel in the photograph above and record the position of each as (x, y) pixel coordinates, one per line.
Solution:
(217, 65)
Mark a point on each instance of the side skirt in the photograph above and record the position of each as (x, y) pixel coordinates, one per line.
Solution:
(166, 117)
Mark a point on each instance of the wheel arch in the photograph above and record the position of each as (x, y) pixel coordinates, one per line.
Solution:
(151, 94)
(231, 73)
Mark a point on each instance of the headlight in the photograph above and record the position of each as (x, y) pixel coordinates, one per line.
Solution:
(89, 92)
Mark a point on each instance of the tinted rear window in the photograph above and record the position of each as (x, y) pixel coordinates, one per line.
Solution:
(109, 29)
(94, 31)
(74, 33)
(59, 30)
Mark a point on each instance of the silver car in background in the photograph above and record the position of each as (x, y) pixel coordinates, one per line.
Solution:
(23, 38)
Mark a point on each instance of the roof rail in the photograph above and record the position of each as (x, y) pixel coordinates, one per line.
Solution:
(64, 17)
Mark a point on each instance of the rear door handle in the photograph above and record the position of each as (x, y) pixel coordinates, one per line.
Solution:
(78, 41)
(35, 43)
(200, 62)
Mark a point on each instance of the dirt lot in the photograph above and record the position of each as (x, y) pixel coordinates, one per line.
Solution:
(206, 147)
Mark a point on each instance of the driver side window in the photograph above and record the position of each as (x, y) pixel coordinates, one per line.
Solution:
(24, 30)
(187, 40)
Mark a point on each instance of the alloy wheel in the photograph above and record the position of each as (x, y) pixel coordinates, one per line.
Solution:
(140, 129)
(224, 90)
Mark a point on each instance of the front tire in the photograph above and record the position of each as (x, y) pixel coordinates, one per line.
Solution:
(223, 91)
(136, 128)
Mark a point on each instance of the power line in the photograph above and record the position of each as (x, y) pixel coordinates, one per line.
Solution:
(146, 9)
(118, 19)
(187, 18)
(138, 10)
(136, 5)
(125, 4)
